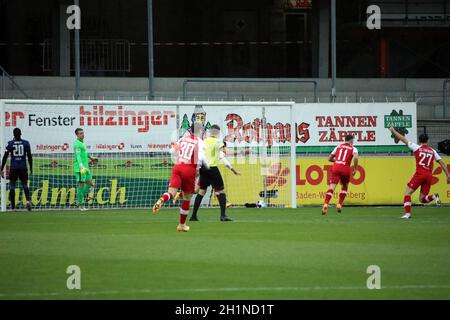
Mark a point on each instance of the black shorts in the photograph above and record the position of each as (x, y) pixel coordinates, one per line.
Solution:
(211, 177)
(18, 173)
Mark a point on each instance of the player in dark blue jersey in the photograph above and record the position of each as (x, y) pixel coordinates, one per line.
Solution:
(20, 151)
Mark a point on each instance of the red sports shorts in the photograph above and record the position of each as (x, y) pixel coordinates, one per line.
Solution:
(421, 180)
(183, 177)
(341, 174)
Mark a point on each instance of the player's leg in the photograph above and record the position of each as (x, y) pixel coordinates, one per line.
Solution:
(222, 197)
(12, 195)
(187, 186)
(86, 189)
(13, 174)
(342, 196)
(80, 196)
(184, 212)
(407, 202)
(219, 190)
(203, 183)
(425, 197)
(174, 185)
(228, 204)
(197, 202)
(179, 193)
(412, 186)
(166, 196)
(345, 180)
(81, 179)
(24, 180)
(177, 196)
(335, 177)
(89, 188)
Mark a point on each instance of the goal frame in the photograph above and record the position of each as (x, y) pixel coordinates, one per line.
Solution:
(177, 104)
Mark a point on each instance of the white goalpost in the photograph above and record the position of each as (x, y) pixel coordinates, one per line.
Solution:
(132, 139)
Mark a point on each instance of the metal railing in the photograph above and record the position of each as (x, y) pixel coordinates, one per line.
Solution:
(96, 55)
(4, 75)
(437, 130)
(279, 81)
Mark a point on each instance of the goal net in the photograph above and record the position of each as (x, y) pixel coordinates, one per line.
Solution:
(132, 140)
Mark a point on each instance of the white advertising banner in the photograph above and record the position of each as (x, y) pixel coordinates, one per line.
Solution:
(108, 128)
(128, 127)
(316, 125)
(328, 124)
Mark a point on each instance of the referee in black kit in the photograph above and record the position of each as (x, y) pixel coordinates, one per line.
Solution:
(212, 177)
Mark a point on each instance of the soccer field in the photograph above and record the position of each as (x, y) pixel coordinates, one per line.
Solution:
(264, 254)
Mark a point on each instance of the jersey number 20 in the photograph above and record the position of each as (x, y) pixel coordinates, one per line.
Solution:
(18, 150)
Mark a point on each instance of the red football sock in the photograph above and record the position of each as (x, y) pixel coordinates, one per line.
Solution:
(342, 195)
(407, 204)
(328, 196)
(428, 198)
(167, 196)
(183, 218)
(184, 211)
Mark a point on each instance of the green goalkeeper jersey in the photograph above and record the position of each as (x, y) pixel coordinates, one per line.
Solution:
(81, 156)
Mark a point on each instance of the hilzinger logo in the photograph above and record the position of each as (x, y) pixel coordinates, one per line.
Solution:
(117, 116)
(52, 147)
(119, 146)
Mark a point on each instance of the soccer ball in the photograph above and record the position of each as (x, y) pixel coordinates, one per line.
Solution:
(260, 204)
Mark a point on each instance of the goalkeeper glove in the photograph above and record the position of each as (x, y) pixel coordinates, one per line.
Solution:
(83, 170)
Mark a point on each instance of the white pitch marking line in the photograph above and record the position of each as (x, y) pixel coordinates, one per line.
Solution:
(199, 290)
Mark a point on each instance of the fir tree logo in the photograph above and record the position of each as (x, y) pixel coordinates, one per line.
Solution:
(186, 124)
(399, 122)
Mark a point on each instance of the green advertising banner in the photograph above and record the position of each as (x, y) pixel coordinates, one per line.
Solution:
(125, 182)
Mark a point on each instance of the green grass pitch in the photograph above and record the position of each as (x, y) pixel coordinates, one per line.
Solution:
(264, 254)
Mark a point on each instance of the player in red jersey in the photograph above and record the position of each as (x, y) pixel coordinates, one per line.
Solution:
(189, 156)
(341, 157)
(425, 156)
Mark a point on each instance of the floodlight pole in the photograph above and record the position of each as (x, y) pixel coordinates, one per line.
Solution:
(151, 74)
(77, 58)
(333, 50)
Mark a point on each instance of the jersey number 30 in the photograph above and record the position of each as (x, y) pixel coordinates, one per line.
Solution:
(186, 150)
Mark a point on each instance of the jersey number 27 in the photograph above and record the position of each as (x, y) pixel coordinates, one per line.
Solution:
(425, 159)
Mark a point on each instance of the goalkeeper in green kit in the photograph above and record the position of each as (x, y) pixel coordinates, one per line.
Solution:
(81, 169)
